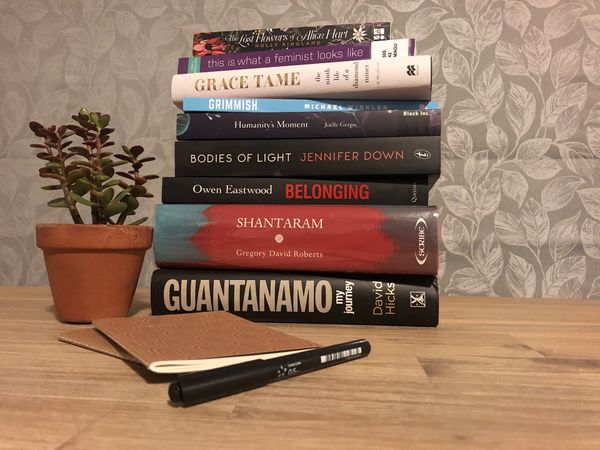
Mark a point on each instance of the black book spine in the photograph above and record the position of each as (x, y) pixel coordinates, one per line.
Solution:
(409, 191)
(320, 124)
(303, 298)
(333, 157)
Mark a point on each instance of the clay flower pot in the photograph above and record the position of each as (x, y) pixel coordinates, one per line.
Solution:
(93, 270)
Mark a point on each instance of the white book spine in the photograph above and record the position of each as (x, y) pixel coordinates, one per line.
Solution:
(407, 78)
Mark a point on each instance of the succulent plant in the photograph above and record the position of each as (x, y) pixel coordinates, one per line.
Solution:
(85, 172)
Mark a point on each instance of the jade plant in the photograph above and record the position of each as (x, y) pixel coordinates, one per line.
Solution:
(84, 171)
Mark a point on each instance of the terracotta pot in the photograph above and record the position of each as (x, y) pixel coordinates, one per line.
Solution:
(93, 270)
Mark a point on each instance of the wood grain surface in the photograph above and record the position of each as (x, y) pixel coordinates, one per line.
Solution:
(496, 373)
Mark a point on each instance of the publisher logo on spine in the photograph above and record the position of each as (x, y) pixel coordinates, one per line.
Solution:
(418, 299)
(422, 154)
(412, 70)
(421, 253)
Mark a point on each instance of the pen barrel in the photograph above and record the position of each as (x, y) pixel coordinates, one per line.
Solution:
(199, 387)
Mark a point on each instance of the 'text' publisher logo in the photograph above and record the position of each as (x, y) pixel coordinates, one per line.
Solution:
(417, 299)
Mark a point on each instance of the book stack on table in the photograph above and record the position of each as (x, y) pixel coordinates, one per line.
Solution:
(303, 163)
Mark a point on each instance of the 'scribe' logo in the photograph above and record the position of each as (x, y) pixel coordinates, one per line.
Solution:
(421, 253)
(412, 70)
(418, 299)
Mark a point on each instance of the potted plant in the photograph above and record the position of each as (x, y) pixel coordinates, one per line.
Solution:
(93, 269)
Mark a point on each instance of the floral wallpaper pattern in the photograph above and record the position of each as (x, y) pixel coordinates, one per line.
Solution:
(518, 80)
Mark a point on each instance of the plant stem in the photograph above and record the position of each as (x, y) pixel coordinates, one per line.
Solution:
(65, 189)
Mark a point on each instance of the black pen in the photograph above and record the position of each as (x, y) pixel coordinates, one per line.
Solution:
(198, 387)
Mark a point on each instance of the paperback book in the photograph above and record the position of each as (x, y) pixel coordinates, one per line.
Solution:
(222, 42)
(317, 124)
(279, 105)
(406, 191)
(407, 78)
(292, 56)
(322, 238)
(390, 156)
(298, 297)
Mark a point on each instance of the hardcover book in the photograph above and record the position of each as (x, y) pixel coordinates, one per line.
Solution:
(407, 191)
(304, 55)
(330, 157)
(297, 297)
(317, 124)
(277, 105)
(185, 343)
(222, 42)
(407, 78)
(319, 238)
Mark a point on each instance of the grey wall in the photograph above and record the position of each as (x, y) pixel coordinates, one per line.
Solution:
(520, 191)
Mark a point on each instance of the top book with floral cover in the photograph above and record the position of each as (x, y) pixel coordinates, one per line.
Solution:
(222, 42)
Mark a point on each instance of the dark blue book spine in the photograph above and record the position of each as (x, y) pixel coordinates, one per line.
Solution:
(292, 125)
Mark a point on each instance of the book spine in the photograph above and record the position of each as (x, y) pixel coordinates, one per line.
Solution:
(223, 42)
(331, 124)
(296, 297)
(293, 191)
(316, 238)
(279, 105)
(302, 55)
(309, 157)
(407, 78)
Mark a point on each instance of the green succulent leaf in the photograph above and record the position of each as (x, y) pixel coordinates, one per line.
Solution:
(121, 195)
(75, 175)
(111, 183)
(132, 203)
(108, 171)
(58, 203)
(114, 208)
(95, 119)
(138, 191)
(126, 150)
(139, 221)
(107, 195)
(52, 187)
(136, 150)
(103, 120)
(81, 187)
(52, 165)
(126, 175)
(82, 200)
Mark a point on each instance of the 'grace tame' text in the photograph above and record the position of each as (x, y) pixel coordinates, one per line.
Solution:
(243, 81)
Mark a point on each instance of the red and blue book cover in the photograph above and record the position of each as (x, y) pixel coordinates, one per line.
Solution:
(321, 238)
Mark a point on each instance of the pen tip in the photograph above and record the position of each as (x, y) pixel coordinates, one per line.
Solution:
(175, 392)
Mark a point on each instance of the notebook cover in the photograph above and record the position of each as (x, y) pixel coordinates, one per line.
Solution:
(195, 336)
(92, 339)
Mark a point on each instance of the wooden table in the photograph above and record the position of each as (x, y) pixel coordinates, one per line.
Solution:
(496, 373)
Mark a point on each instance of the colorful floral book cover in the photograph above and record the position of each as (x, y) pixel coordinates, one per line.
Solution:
(222, 42)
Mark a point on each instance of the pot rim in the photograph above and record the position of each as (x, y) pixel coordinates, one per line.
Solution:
(93, 236)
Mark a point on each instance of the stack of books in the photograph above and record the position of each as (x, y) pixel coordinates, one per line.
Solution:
(303, 163)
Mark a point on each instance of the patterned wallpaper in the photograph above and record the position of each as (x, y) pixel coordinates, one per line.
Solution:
(519, 81)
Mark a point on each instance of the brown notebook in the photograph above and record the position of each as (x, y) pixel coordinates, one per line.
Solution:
(185, 342)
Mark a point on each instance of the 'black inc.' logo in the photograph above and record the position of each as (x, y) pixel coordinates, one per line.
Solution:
(417, 299)
(412, 70)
